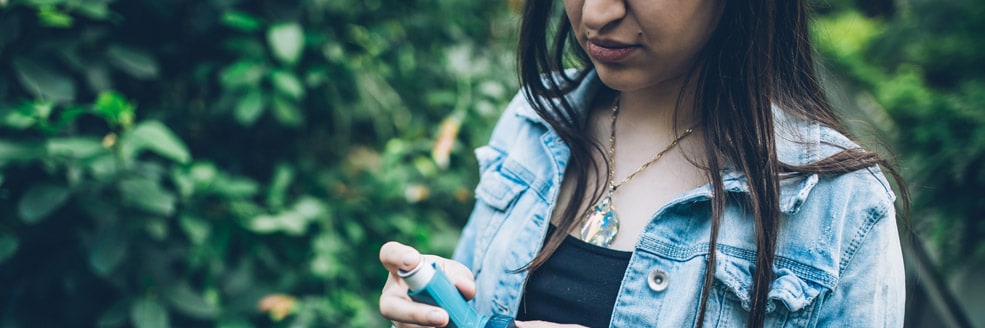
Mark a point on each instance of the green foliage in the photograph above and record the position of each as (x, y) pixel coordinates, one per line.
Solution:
(923, 66)
(234, 163)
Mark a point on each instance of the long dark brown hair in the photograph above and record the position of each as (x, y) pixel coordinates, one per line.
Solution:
(759, 55)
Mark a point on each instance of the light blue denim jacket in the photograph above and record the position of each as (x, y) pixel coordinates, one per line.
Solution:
(838, 261)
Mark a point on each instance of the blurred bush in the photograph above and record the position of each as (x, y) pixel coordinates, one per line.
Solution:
(919, 63)
(234, 163)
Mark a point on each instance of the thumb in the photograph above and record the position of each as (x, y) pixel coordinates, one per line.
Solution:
(396, 256)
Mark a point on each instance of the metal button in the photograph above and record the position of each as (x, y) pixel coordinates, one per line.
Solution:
(658, 280)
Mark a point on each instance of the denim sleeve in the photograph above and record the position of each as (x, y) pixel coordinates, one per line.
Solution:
(871, 290)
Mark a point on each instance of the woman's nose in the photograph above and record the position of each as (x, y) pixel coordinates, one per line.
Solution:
(597, 14)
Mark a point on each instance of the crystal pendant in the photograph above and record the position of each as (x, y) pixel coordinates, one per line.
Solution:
(601, 224)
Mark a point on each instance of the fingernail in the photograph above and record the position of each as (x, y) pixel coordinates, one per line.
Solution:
(436, 317)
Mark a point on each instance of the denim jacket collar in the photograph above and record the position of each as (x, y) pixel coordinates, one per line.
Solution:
(797, 143)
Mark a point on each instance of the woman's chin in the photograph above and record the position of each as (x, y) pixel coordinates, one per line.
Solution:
(629, 79)
(620, 79)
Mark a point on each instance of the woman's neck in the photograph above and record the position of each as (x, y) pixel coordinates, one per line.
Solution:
(654, 108)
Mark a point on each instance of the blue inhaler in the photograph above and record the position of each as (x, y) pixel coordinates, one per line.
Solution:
(427, 284)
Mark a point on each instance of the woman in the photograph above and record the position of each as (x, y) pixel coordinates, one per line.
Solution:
(651, 187)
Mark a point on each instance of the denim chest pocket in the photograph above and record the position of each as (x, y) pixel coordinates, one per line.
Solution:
(496, 194)
(791, 301)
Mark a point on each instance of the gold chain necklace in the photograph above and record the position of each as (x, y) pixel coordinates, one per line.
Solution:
(601, 225)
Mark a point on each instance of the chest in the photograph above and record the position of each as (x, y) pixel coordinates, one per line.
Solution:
(648, 170)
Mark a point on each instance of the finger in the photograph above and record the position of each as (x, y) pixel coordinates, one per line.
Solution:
(408, 325)
(396, 256)
(403, 310)
(461, 277)
(544, 324)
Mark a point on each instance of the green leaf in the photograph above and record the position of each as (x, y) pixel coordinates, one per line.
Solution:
(188, 302)
(114, 108)
(149, 313)
(249, 108)
(19, 151)
(43, 109)
(8, 246)
(287, 84)
(234, 322)
(286, 112)
(286, 41)
(182, 182)
(196, 229)
(52, 17)
(135, 62)
(68, 116)
(93, 9)
(242, 73)
(102, 168)
(355, 230)
(326, 247)
(40, 201)
(156, 228)
(203, 173)
(249, 48)
(241, 21)
(310, 208)
(283, 175)
(44, 82)
(162, 141)
(265, 224)
(38, 3)
(148, 195)
(156, 137)
(19, 117)
(77, 147)
(293, 221)
(108, 250)
(234, 187)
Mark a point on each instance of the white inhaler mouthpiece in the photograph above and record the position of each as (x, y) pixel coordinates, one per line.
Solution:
(418, 277)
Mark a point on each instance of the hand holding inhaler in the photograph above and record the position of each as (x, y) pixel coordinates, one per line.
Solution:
(418, 284)
(428, 284)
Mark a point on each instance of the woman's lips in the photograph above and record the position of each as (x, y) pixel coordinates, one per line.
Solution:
(608, 51)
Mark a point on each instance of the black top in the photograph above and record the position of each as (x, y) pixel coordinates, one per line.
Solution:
(577, 285)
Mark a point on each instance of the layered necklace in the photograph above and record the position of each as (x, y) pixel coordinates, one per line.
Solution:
(601, 225)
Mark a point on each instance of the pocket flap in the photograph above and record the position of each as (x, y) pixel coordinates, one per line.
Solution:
(487, 156)
(788, 287)
(497, 189)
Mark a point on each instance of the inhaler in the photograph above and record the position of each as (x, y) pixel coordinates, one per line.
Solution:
(427, 284)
